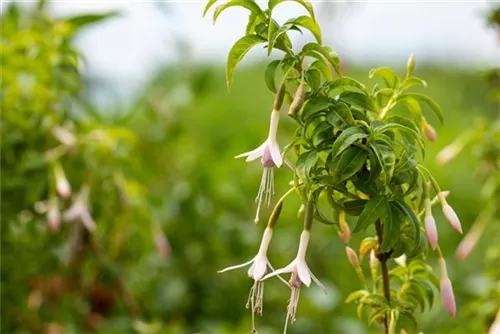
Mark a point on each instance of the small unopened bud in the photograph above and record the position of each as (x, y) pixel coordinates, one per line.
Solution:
(298, 100)
(431, 231)
(452, 218)
(429, 131)
(278, 99)
(401, 261)
(275, 215)
(352, 257)
(345, 231)
(373, 259)
(53, 215)
(449, 152)
(410, 65)
(448, 297)
(62, 185)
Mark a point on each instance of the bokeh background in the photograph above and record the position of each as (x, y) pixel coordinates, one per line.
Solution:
(140, 88)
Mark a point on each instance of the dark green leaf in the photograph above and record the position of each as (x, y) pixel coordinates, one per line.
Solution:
(408, 213)
(305, 162)
(340, 116)
(354, 208)
(270, 75)
(349, 162)
(238, 51)
(386, 158)
(312, 106)
(346, 138)
(391, 227)
(375, 209)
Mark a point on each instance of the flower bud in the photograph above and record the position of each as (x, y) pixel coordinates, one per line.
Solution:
(429, 131)
(298, 100)
(53, 215)
(410, 65)
(278, 99)
(452, 218)
(62, 185)
(448, 297)
(431, 231)
(470, 241)
(401, 261)
(373, 259)
(352, 257)
(275, 215)
(345, 231)
(449, 152)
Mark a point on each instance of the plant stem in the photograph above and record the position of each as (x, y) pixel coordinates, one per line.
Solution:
(383, 257)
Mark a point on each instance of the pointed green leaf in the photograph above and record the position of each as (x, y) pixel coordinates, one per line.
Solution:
(427, 100)
(413, 81)
(349, 162)
(321, 66)
(273, 3)
(328, 53)
(250, 5)
(80, 21)
(346, 138)
(238, 51)
(312, 106)
(354, 208)
(359, 100)
(386, 158)
(310, 24)
(305, 162)
(346, 82)
(386, 74)
(270, 75)
(210, 3)
(375, 209)
(391, 227)
(340, 116)
(408, 213)
(356, 295)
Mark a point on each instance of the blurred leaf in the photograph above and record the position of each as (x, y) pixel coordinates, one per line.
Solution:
(423, 98)
(333, 58)
(78, 22)
(408, 212)
(391, 228)
(359, 100)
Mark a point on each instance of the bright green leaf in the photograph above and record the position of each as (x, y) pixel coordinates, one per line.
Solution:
(237, 52)
(427, 100)
(250, 5)
(375, 209)
(210, 3)
(270, 75)
(386, 74)
(273, 3)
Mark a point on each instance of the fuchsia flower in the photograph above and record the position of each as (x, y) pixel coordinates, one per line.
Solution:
(79, 211)
(256, 272)
(270, 155)
(447, 295)
(300, 274)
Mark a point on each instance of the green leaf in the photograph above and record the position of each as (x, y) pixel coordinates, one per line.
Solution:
(321, 66)
(427, 100)
(386, 159)
(305, 162)
(340, 116)
(356, 295)
(273, 3)
(80, 21)
(391, 228)
(250, 5)
(238, 51)
(270, 75)
(375, 209)
(210, 3)
(310, 24)
(359, 100)
(346, 82)
(354, 208)
(313, 78)
(253, 20)
(328, 53)
(413, 81)
(408, 213)
(349, 163)
(386, 74)
(312, 106)
(346, 138)
(405, 121)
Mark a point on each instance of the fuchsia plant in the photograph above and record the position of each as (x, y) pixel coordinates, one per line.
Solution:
(356, 150)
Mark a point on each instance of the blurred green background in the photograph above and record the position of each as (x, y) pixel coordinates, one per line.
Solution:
(162, 166)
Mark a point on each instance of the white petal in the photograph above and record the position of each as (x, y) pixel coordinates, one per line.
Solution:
(281, 278)
(252, 155)
(321, 286)
(290, 165)
(287, 269)
(236, 266)
(73, 212)
(303, 272)
(251, 270)
(275, 153)
(260, 268)
(87, 221)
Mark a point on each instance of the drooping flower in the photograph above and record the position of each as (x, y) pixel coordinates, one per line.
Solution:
(446, 289)
(449, 152)
(62, 185)
(352, 257)
(79, 211)
(470, 241)
(449, 213)
(429, 131)
(270, 155)
(300, 275)
(345, 231)
(256, 271)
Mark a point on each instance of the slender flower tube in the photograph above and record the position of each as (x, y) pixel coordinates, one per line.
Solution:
(62, 185)
(79, 211)
(300, 275)
(449, 152)
(450, 214)
(447, 295)
(53, 214)
(270, 155)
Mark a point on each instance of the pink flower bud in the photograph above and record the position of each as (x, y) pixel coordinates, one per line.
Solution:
(429, 132)
(373, 259)
(53, 215)
(352, 257)
(447, 297)
(452, 217)
(448, 153)
(431, 231)
(62, 185)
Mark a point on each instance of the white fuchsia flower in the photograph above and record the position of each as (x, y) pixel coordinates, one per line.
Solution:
(270, 155)
(300, 274)
(80, 211)
(256, 271)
